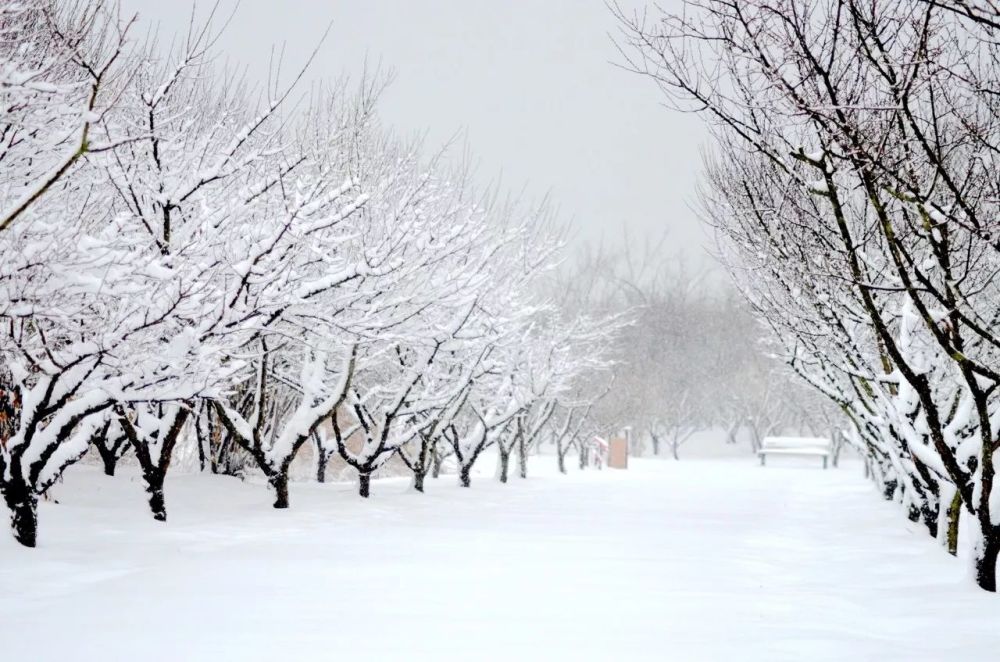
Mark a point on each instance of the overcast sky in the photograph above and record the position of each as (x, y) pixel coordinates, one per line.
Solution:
(529, 83)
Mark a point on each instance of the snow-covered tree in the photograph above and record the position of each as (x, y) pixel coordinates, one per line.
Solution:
(62, 65)
(187, 260)
(856, 195)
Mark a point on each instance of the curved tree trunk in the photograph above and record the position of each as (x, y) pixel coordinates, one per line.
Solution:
(464, 477)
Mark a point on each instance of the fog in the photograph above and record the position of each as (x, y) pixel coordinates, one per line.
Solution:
(530, 86)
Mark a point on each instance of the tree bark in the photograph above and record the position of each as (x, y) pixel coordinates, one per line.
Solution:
(522, 458)
(154, 469)
(418, 481)
(108, 460)
(954, 513)
(925, 513)
(279, 481)
(503, 466)
(562, 461)
(321, 461)
(464, 477)
(154, 489)
(436, 466)
(110, 450)
(200, 439)
(364, 484)
(986, 560)
(930, 513)
(23, 505)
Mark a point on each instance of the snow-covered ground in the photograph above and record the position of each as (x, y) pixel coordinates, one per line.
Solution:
(697, 560)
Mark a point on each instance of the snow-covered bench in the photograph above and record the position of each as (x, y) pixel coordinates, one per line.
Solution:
(806, 446)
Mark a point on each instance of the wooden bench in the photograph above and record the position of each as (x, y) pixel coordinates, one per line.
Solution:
(805, 446)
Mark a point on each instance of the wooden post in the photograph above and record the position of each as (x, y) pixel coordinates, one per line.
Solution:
(618, 453)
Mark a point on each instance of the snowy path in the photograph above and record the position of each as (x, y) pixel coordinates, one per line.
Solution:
(705, 560)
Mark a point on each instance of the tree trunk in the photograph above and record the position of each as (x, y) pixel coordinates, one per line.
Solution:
(930, 513)
(221, 460)
(583, 457)
(279, 481)
(154, 488)
(923, 512)
(464, 479)
(109, 461)
(418, 481)
(986, 552)
(110, 449)
(674, 446)
(436, 466)
(503, 465)
(561, 456)
(755, 440)
(214, 442)
(154, 469)
(522, 459)
(23, 505)
(321, 461)
(364, 484)
(200, 438)
(954, 513)
(889, 490)
(656, 444)
(24, 521)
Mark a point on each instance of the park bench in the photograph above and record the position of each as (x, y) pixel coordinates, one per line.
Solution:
(805, 446)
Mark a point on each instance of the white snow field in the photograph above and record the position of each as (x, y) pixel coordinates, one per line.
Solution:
(696, 560)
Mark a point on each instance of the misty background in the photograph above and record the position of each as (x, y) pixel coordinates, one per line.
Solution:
(530, 87)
